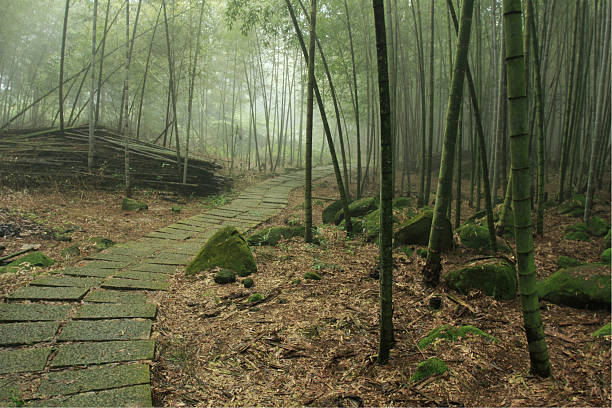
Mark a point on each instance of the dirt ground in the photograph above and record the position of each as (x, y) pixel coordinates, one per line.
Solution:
(315, 342)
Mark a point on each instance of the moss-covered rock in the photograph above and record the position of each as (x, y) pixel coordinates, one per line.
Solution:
(272, 235)
(606, 256)
(477, 216)
(129, 204)
(422, 252)
(225, 276)
(357, 224)
(402, 202)
(474, 236)
(176, 209)
(567, 261)
(597, 226)
(495, 277)
(227, 248)
(35, 258)
(312, 275)
(358, 208)
(451, 333)
(102, 243)
(329, 213)
(608, 239)
(428, 368)
(248, 283)
(577, 236)
(416, 231)
(574, 207)
(255, 297)
(585, 286)
(71, 251)
(603, 331)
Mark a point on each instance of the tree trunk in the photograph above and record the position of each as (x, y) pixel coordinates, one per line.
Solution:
(90, 150)
(61, 73)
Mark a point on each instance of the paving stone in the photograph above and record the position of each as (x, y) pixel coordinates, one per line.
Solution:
(88, 271)
(22, 312)
(174, 228)
(67, 281)
(165, 258)
(178, 236)
(151, 267)
(134, 251)
(115, 311)
(24, 360)
(139, 275)
(198, 223)
(115, 296)
(93, 379)
(101, 330)
(48, 293)
(106, 264)
(112, 256)
(210, 219)
(12, 334)
(103, 352)
(222, 213)
(120, 283)
(11, 391)
(136, 396)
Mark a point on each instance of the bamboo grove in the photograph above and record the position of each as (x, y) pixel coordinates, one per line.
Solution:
(271, 84)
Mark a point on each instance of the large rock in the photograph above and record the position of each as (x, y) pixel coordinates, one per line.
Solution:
(35, 258)
(495, 277)
(358, 208)
(598, 226)
(585, 286)
(129, 204)
(416, 231)
(474, 236)
(226, 249)
(329, 213)
(271, 235)
(607, 239)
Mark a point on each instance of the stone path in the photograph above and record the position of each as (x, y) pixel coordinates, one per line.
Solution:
(81, 336)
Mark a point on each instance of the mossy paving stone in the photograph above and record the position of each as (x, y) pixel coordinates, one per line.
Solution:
(48, 293)
(23, 360)
(131, 284)
(165, 258)
(100, 264)
(102, 330)
(116, 311)
(112, 257)
(93, 379)
(198, 223)
(173, 237)
(182, 228)
(138, 251)
(87, 271)
(139, 275)
(151, 267)
(210, 219)
(22, 312)
(67, 281)
(115, 296)
(103, 352)
(136, 396)
(12, 334)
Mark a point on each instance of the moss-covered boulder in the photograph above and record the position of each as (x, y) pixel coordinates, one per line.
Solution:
(608, 239)
(567, 262)
(371, 225)
(248, 283)
(597, 226)
(495, 277)
(129, 204)
(357, 224)
(476, 217)
(577, 236)
(329, 213)
(272, 235)
(402, 202)
(416, 231)
(448, 332)
(255, 297)
(35, 258)
(474, 236)
(71, 251)
(574, 207)
(603, 331)
(312, 276)
(225, 276)
(585, 286)
(176, 209)
(606, 256)
(227, 248)
(102, 243)
(358, 208)
(428, 368)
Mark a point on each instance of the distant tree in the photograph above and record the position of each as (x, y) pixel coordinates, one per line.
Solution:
(92, 115)
(309, 112)
(61, 70)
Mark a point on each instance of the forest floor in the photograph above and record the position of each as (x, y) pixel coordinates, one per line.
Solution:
(315, 342)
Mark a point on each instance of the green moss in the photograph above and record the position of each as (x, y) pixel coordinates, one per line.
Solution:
(477, 216)
(248, 283)
(402, 202)
(577, 236)
(129, 204)
(176, 209)
(495, 277)
(358, 208)
(102, 243)
(606, 256)
(567, 261)
(449, 332)
(585, 286)
(312, 276)
(603, 331)
(296, 281)
(428, 368)
(329, 213)
(597, 226)
(255, 297)
(71, 251)
(35, 258)
(607, 239)
(272, 235)
(474, 236)
(225, 276)
(579, 227)
(416, 231)
(422, 252)
(357, 223)
(227, 248)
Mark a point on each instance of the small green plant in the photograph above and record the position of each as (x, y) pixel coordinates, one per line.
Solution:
(255, 297)
(312, 276)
